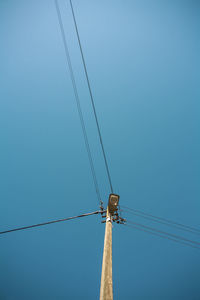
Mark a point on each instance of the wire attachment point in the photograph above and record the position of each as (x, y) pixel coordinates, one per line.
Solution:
(113, 210)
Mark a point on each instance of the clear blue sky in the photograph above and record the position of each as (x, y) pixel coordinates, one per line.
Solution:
(143, 62)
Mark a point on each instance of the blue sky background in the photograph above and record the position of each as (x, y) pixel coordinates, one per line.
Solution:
(143, 62)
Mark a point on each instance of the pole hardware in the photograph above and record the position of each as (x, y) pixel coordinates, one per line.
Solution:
(113, 209)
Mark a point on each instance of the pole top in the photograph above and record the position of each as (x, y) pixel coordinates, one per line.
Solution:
(113, 202)
(113, 211)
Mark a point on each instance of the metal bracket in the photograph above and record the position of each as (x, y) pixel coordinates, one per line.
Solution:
(113, 208)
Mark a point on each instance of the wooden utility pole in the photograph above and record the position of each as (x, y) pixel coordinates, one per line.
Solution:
(106, 290)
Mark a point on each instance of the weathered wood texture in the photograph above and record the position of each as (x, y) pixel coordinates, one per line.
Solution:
(106, 290)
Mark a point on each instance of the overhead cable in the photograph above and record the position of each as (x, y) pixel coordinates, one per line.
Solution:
(161, 220)
(92, 98)
(161, 236)
(78, 101)
(50, 222)
(171, 235)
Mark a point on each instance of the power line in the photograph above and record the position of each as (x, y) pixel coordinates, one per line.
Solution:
(162, 236)
(92, 98)
(78, 102)
(50, 222)
(161, 220)
(165, 233)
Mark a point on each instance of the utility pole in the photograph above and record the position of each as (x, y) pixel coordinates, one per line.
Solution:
(106, 290)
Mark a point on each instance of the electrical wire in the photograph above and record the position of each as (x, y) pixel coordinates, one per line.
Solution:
(160, 220)
(174, 236)
(50, 222)
(78, 102)
(161, 236)
(92, 98)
